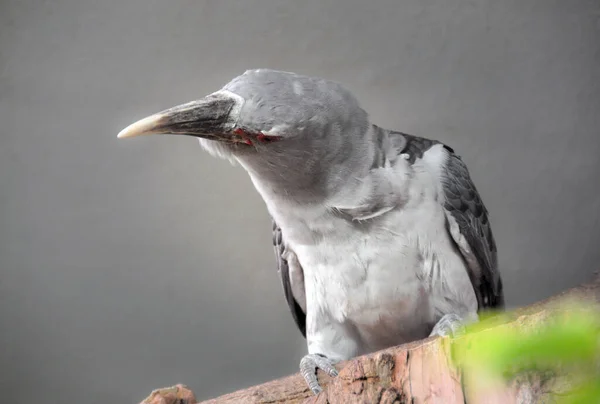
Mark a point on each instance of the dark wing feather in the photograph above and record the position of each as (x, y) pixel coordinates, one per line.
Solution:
(284, 272)
(468, 221)
(470, 228)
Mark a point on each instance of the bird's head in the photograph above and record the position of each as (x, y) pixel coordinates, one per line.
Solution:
(278, 125)
(259, 109)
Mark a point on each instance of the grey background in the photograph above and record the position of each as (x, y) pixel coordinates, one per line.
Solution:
(131, 265)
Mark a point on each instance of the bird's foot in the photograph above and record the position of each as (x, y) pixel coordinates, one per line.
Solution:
(309, 365)
(449, 325)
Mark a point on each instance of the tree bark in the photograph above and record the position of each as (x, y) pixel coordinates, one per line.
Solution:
(417, 372)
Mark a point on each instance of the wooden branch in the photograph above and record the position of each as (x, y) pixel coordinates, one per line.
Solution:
(418, 372)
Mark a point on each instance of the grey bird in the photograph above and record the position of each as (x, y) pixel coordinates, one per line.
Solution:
(381, 237)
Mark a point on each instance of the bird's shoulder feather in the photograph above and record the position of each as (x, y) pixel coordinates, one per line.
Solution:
(467, 219)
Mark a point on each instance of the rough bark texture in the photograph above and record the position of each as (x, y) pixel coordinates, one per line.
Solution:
(418, 372)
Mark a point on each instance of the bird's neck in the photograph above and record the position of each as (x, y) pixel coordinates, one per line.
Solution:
(308, 173)
(351, 179)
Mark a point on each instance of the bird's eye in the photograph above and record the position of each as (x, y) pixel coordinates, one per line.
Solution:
(261, 137)
(247, 137)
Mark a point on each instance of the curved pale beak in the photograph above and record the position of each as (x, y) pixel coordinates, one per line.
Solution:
(208, 118)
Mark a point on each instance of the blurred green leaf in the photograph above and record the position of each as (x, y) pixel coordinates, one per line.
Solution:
(568, 342)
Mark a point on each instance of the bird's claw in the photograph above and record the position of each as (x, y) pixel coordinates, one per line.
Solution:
(308, 367)
(449, 325)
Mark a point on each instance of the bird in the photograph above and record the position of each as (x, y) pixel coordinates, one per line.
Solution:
(380, 237)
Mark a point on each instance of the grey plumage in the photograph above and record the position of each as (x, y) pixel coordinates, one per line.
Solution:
(380, 237)
(298, 313)
(462, 203)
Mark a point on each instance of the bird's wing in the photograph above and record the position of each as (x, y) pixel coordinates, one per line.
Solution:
(469, 226)
(467, 221)
(293, 297)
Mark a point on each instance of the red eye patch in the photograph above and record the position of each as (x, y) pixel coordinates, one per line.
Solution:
(248, 137)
